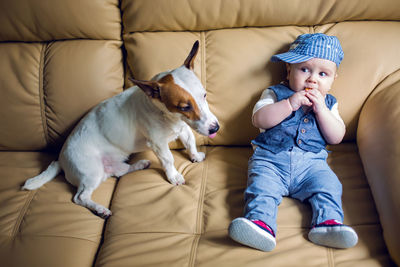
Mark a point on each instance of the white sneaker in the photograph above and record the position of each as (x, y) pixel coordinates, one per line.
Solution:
(252, 234)
(332, 233)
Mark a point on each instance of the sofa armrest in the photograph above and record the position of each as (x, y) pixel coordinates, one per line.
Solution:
(379, 146)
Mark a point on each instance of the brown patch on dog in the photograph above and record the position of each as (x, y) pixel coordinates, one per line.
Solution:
(177, 99)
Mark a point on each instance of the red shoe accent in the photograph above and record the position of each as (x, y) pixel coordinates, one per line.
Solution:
(264, 226)
(329, 222)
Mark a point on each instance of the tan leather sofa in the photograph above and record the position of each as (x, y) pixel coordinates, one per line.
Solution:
(58, 59)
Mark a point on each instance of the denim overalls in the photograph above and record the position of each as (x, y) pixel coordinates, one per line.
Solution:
(290, 160)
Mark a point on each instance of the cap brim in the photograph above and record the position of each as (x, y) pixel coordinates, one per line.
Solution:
(290, 57)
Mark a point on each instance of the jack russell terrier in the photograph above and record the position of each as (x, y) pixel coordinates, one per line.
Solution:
(148, 115)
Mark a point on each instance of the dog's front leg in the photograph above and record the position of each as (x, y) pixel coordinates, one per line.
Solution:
(188, 140)
(167, 162)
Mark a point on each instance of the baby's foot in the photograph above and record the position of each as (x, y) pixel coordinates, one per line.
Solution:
(332, 233)
(255, 234)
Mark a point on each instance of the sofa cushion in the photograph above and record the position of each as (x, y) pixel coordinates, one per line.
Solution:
(44, 227)
(157, 224)
(50, 86)
(58, 60)
(37, 21)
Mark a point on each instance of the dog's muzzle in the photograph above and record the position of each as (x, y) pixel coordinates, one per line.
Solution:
(212, 131)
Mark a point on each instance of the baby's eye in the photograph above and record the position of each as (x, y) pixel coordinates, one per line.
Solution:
(304, 69)
(323, 74)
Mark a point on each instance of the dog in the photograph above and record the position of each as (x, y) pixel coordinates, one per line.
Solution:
(148, 115)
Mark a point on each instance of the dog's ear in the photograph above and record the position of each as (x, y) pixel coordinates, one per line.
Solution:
(151, 88)
(189, 61)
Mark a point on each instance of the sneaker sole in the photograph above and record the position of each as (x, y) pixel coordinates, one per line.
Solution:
(247, 233)
(334, 236)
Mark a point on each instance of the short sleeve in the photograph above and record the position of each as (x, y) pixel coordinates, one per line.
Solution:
(267, 97)
(335, 112)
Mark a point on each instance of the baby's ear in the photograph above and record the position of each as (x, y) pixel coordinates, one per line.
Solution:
(287, 70)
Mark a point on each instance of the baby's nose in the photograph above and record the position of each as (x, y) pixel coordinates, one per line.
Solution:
(312, 79)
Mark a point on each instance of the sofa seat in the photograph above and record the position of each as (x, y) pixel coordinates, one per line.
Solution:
(156, 224)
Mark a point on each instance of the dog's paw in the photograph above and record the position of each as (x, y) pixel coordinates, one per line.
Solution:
(103, 212)
(176, 179)
(200, 156)
(140, 165)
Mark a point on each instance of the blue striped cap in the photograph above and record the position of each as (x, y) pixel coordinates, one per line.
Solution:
(309, 46)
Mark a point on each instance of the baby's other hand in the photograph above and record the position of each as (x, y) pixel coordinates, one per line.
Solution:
(299, 99)
(317, 99)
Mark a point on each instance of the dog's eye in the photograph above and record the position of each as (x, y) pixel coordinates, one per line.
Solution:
(185, 107)
(205, 95)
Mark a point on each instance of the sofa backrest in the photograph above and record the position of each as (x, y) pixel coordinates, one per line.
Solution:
(237, 39)
(61, 59)
(58, 59)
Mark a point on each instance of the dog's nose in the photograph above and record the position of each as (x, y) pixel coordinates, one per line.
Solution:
(214, 129)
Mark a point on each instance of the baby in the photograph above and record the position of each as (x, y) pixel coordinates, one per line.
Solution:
(297, 119)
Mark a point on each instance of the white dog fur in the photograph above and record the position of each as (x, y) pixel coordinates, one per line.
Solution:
(148, 115)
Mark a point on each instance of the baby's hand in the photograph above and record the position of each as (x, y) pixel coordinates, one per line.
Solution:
(299, 99)
(317, 100)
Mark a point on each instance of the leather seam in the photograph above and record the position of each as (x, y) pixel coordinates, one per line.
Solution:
(331, 260)
(199, 224)
(200, 209)
(155, 232)
(42, 95)
(203, 69)
(203, 59)
(22, 213)
(60, 236)
(193, 250)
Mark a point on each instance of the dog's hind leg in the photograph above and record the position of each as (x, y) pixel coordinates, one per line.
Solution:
(119, 169)
(139, 165)
(83, 197)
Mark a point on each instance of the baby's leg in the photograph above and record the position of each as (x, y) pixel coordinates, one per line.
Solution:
(267, 174)
(323, 190)
(262, 196)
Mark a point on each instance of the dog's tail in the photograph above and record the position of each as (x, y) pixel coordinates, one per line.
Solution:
(46, 176)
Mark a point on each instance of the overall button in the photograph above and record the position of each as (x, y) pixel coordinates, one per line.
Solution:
(299, 141)
(306, 120)
(303, 130)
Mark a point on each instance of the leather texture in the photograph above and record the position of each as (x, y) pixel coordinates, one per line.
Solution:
(61, 58)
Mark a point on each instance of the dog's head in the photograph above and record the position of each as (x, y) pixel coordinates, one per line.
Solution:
(180, 92)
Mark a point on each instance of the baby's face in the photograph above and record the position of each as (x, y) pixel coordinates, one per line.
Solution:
(315, 73)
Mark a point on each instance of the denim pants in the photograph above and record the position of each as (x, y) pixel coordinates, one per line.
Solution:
(296, 173)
